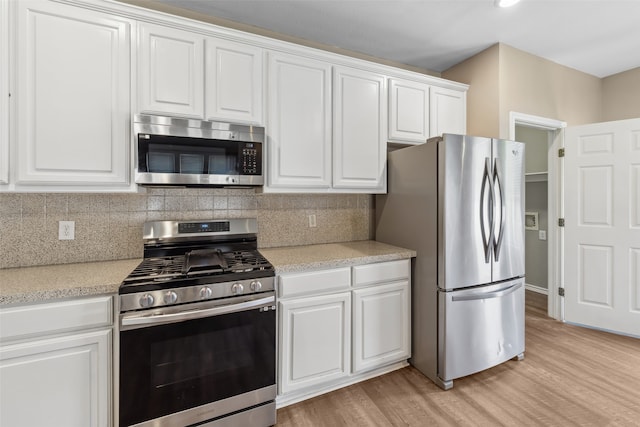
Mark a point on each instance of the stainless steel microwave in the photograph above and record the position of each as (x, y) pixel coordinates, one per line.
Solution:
(174, 151)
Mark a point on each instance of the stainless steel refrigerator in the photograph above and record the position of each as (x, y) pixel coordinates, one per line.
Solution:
(458, 201)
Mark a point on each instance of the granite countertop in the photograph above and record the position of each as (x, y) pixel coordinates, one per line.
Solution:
(331, 255)
(51, 282)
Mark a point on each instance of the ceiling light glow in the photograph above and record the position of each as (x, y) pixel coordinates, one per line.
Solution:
(506, 3)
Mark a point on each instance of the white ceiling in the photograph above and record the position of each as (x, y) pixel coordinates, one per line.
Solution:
(598, 37)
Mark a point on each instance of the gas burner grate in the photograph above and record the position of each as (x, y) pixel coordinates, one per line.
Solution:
(158, 269)
(164, 269)
(240, 261)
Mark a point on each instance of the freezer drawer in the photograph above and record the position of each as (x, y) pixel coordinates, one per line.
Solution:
(479, 328)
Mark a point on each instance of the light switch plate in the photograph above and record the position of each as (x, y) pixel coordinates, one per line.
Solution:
(542, 234)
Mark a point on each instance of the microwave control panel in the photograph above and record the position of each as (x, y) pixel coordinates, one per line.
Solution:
(250, 160)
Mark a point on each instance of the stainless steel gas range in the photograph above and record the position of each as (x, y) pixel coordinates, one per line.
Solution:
(198, 328)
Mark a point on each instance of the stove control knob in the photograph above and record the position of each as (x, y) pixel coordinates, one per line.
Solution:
(146, 300)
(256, 286)
(205, 293)
(170, 297)
(237, 288)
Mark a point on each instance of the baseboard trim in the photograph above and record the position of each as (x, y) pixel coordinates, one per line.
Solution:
(295, 397)
(537, 289)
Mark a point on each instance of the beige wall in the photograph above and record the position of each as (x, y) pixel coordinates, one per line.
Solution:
(481, 72)
(513, 80)
(621, 95)
(533, 85)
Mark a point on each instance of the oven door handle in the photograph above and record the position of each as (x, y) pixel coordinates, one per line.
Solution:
(138, 321)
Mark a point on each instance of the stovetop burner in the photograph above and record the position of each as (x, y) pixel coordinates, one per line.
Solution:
(188, 262)
(203, 263)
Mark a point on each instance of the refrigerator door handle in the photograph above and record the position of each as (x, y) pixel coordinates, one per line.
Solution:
(486, 240)
(497, 238)
(488, 295)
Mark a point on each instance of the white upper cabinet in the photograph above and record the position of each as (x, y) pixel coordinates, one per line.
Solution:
(171, 71)
(73, 96)
(187, 74)
(408, 111)
(447, 111)
(234, 74)
(299, 123)
(4, 92)
(359, 130)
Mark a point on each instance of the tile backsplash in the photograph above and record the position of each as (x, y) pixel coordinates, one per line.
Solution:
(109, 226)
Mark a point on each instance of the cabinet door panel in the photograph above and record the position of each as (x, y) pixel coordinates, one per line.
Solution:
(408, 111)
(381, 331)
(234, 81)
(314, 340)
(73, 77)
(171, 71)
(68, 378)
(4, 90)
(447, 111)
(360, 130)
(299, 122)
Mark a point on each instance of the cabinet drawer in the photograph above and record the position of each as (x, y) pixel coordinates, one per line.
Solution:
(314, 282)
(39, 319)
(381, 272)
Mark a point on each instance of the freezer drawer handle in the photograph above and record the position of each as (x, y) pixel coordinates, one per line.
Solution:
(488, 295)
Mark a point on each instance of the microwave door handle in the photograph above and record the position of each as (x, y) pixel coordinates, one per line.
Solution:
(137, 321)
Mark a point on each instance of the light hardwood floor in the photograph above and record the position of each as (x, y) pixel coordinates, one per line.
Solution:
(570, 376)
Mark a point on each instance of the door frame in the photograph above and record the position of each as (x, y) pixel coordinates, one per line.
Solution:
(555, 202)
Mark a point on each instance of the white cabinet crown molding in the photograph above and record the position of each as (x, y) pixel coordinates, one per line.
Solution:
(214, 30)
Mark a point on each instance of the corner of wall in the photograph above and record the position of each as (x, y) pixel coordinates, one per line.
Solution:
(482, 74)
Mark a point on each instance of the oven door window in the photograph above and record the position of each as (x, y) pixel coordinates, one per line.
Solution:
(169, 368)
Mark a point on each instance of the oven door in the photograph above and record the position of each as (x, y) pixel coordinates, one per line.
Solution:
(187, 364)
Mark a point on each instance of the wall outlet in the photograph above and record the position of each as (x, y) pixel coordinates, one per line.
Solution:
(542, 234)
(66, 230)
(312, 221)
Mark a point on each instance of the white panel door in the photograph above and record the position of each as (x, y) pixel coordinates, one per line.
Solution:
(381, 331)
(315, 334)
(170, 71)
(602, 226)
(63, 381)
(73, 79)
(447, 111)
(408, 111)
(234, 73)
(360, 130)
(299, 123)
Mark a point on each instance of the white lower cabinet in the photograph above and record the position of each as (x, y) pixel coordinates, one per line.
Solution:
(381, 331)
(315, 337)
(55, 364)
(341, 326)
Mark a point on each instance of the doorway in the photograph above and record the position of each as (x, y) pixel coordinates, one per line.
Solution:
(537, 142)
(544, 204)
